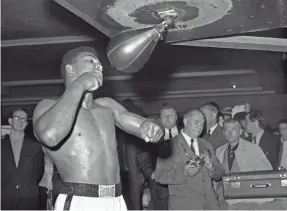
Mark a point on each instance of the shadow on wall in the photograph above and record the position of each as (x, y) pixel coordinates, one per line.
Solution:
(152, 80)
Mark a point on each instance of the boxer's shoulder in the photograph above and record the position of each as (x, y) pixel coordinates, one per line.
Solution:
(109, 103)
(46, 103)
(104, 101)
(42, 107)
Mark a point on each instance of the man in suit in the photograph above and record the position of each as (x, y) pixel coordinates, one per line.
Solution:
(213, 131)
(133, 146)
(241, 118)
(190, 187)
(22, 166)
(239, 155)
(267, 141)
(147, 159)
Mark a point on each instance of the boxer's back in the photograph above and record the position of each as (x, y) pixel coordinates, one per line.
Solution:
(89, 155)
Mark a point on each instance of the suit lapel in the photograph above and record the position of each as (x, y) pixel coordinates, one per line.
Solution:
(241, 152)
(214, 134)
(261, 141)
(7, 148)
(224, 160)
(24, 152)
(201, 147)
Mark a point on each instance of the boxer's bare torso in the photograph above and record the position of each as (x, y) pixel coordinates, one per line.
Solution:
(89, 154)
(79, 132)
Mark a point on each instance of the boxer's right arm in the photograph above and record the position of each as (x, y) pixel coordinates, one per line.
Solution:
(53, 120)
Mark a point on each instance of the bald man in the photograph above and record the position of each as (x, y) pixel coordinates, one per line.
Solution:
(79, 134)
(190, 187)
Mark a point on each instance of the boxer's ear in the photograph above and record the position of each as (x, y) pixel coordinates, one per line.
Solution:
(69, 69)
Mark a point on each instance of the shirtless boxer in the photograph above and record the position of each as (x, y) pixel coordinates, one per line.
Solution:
(79, 134)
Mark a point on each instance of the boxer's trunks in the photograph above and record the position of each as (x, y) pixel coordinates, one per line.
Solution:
(81, 197)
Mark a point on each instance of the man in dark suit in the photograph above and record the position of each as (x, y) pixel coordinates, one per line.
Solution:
(22, 167)
(213, 132)
(241, 117)
(267, 141)
(190, 187)
(147, 159)
(133, 146)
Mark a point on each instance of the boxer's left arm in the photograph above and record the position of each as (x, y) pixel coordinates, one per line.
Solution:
(131, 123)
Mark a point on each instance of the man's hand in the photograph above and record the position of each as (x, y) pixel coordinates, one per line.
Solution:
(150, 131)
(208, 162)
(91, 81)
(190, 170)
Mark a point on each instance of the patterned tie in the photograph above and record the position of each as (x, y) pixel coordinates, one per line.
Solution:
(170, 134)
(191, 145)
(231, 157)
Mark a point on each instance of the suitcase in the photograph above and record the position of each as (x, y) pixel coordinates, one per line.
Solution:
(259, 184)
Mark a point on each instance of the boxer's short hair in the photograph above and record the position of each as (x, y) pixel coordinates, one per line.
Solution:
(71, 55)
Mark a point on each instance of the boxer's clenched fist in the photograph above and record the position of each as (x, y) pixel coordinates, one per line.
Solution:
(91, 81)
(150, 131)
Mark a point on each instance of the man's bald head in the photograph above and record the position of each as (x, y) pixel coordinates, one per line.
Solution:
(193, 112)
(193, 123)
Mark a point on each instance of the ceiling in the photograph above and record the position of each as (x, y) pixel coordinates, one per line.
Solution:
(35, 34)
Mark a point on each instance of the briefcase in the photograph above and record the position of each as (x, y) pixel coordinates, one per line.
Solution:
(259, 184)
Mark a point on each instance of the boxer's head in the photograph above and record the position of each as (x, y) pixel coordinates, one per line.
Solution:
(78, 61)
(193, 123)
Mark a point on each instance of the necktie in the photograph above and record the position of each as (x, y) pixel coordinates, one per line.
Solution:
(191, 145)
(254, 139)
(169, 133)
(231, 156)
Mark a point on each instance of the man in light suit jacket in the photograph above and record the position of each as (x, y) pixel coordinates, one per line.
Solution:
(189, 187)
(240, 155)
(213, 131)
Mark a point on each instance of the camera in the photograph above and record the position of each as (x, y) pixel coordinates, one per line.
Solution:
(196, 162)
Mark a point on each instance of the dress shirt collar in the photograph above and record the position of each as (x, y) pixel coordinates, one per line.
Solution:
(174, 132)
(213, 128)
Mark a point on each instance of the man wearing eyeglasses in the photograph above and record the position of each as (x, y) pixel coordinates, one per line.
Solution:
(22, 166)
